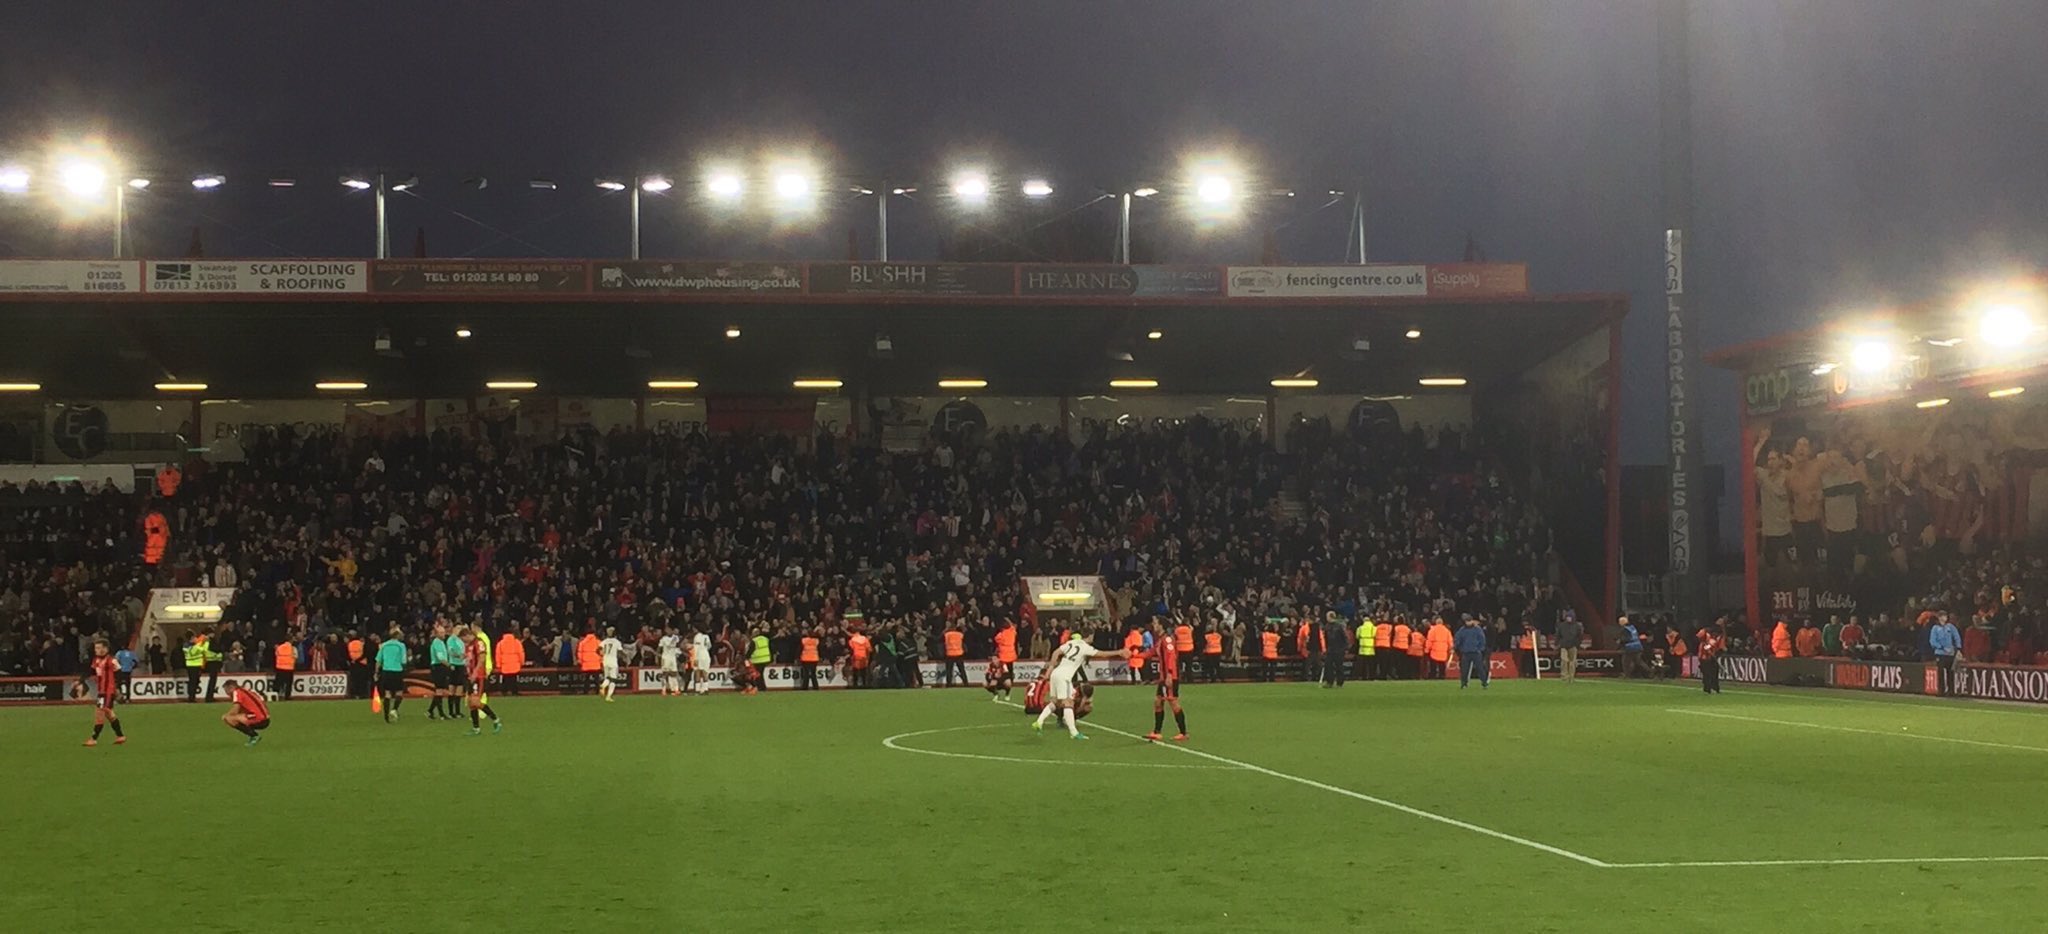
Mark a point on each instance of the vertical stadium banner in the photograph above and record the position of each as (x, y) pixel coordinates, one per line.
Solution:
(257, 277)
(664, 277)
(913, 279)
(70, 277)
(1478, 280)
(1371, 281)
(472, 276)
(760, 414)
(1091, 414)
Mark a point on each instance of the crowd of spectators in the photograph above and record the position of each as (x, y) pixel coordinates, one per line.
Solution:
(322, 534)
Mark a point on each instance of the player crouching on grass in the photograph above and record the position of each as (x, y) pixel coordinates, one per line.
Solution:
(249, 716)
(107, 681)
(997, 681)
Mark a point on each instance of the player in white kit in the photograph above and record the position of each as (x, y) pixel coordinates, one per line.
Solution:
(671, 649)
(1067, 661)
(700, 661)
(608, 660)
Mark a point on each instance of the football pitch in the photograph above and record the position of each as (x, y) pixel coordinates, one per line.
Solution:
(1406, 806)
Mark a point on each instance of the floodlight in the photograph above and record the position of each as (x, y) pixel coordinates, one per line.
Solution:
(139, 184)
(13, 179)
(2005, 324)
(793, 184)
(83, 179)
(409, 183)
(1145, 192)
(209, 182)
(1037, 188)
(656, 184)
(724, 185)
(611, 184)
(971, 187)
(1870, 356)
(1214, 189)
(354, 182)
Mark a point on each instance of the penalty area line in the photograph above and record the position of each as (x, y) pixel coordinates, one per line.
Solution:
(1888, 860)
(1369, 799)
(1902, 734)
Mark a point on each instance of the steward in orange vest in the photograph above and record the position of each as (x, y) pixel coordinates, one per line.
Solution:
(807, 661)
(956, 656)
(287, 661)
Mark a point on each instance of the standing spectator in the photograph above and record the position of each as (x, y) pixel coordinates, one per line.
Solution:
(1674, 654)
(1470, 643)
(126, 660)
(158, 661)
(1570, 632)
(1631, 649)
(1781, 641)
(1807, 642)
(1945, 641)
(1336, 648)
(1852, 636)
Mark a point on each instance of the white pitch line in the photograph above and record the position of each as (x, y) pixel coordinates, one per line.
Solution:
(1902, 734)
(1714, 863)
(1369, 799)
(1835, 696)
(893, 742)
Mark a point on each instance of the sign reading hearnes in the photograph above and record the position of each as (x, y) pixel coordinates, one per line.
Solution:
(1077, 280)
(64, 276)
(913, 278)
(502, 276)
(1390, 281)
(663, 277)
(222, 277)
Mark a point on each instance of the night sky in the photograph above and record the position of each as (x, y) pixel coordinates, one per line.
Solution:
(1847, 152)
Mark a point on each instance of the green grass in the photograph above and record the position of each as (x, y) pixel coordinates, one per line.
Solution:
(786, 812)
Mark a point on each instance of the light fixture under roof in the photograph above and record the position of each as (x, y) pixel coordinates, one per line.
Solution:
(502, 384)
(817, 383)
(1930, 403)
(1154, 334)
(1296, 382)
(209, 182)
(1413, 334)
(611, 184)
(463, 333)
(2005, 393)
(341, 385)
(21, 387)
(671, 384)
(963, 384)
(1134, 384)
(1442, 381)
(732, 331)
(181, 387)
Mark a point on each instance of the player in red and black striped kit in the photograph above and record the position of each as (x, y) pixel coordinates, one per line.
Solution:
(1711, 643)
(250, 714)
(106, 679)
(1166, 674)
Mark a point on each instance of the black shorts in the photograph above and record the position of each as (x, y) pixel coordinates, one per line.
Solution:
(106, 701)
(391, 682)
(1169, 688)
(446, 677)
(262, 724)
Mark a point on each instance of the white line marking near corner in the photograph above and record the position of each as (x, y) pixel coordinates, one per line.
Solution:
(895, 742)
(1382, 802)
(1902, 734)
(1903, 860)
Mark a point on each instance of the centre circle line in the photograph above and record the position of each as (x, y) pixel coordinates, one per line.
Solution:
(893, 742)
